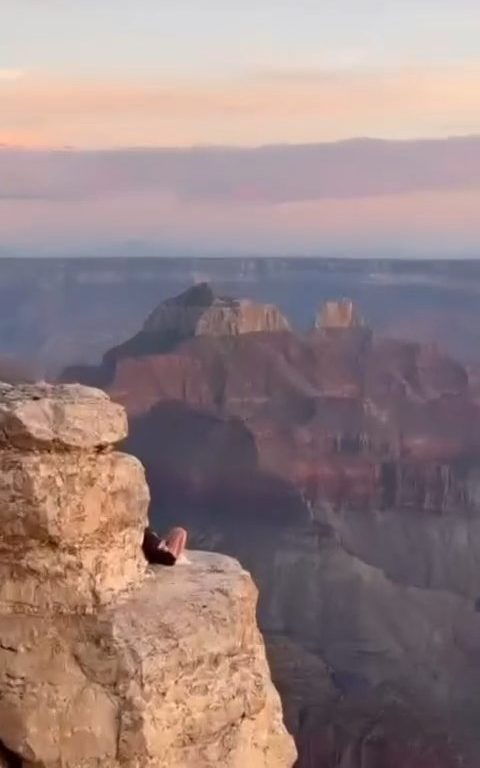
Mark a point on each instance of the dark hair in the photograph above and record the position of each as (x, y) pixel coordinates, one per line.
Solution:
(153, 554)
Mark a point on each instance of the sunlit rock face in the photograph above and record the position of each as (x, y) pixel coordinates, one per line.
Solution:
(198, 311)
(104, 661)
(338, 314)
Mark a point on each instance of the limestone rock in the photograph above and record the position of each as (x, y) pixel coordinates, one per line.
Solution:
(72, 513)
(67, 416)
(198, 312)
(338, 314)
(202, 618)
(103, 662)
(71, 529)
(228, 317)
(172, 676)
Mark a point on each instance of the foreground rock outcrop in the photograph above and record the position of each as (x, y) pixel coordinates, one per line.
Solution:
(104, 661)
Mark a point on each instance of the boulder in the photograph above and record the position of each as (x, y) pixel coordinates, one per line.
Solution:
(62, 417)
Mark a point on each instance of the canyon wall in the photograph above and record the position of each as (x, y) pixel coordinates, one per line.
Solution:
(372, 628)
(103, 660)
(334, 418)
(343, 469)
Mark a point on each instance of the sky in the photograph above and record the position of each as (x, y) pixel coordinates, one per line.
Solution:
(176, 74)
(102, 73)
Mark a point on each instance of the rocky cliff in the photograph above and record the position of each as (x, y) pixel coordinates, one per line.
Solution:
(104, 661)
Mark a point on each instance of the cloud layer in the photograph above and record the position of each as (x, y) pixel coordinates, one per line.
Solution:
(270, 175)
(352, 195)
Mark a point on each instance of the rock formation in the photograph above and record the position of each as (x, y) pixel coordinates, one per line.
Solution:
(59, 312)
(344, 468)
(341, 418)
(104, 661)
(338, 314)
(198, 312)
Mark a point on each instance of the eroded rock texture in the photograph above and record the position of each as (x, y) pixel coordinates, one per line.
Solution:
(103, 661)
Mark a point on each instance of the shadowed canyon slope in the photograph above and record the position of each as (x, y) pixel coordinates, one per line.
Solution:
(342, 468)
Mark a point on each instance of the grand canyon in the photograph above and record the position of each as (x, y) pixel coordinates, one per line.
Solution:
(339, 462)
(239, 308)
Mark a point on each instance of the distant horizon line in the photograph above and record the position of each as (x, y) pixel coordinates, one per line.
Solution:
(5, 146)
(107, 252)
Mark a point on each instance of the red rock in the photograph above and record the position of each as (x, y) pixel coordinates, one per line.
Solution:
(162, 377)
(339, 416)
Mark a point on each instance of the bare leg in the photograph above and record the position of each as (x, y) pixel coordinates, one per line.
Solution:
(176, 541)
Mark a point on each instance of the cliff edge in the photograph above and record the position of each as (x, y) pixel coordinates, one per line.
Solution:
(104, 661)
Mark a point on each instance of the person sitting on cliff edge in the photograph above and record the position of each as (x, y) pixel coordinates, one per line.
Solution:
(166, 551)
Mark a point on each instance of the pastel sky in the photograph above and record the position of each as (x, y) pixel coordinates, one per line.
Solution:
(106, 78)
(97, 73)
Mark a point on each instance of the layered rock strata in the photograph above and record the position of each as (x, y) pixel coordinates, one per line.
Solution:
(198, 311)
(334, 418)
(102, 660)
